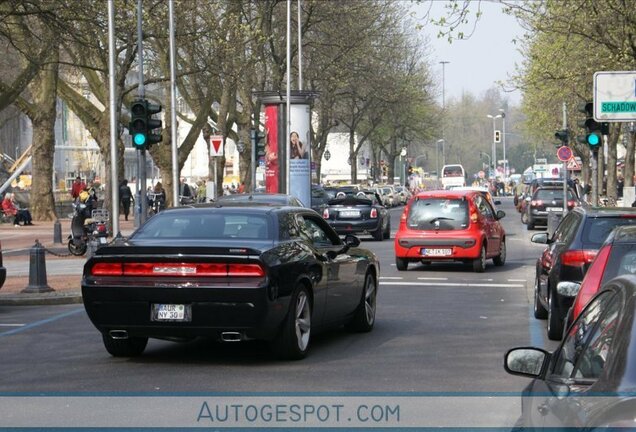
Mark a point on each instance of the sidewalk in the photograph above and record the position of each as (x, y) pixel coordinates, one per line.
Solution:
(63, 270)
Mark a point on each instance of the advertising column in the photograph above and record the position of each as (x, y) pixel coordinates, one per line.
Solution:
(299, 141)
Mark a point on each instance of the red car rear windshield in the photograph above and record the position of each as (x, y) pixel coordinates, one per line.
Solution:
(438, 214)
(622, 261)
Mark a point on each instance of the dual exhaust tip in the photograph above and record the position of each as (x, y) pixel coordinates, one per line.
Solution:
(225, 336)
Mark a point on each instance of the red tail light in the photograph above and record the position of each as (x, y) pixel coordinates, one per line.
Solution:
(101, 228)
(571, 203)
(536, 203)
(592, 280)
(178, 269)
(374, 213)
(325, 213)
(578, 258)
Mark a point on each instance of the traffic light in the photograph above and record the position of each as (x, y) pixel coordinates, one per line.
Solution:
(562, 135)
(138, 127)
(410, 170)
(142, 125)
(153, 135)
(259, 140)
(592, 135)
(497, 136)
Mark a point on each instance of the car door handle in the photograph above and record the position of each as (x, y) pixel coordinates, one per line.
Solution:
(543, 409)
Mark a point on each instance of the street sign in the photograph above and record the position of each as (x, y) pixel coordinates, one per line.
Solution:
(615, 96)
(541, 161)
(573, 165)
(564, 153)
(216, 145)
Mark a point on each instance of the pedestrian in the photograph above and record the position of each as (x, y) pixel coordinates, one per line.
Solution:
(241, 188)
(11, 208)
(77, 187)
(184, 190)
(620, 184)
(125, 197)
(201, 191)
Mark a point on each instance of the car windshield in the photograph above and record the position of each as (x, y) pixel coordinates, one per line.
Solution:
(596, 230)
(206, 226)
(552, 195)
(438, 214)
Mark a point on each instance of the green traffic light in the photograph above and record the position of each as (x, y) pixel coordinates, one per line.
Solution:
(139, 139)
(593, 139)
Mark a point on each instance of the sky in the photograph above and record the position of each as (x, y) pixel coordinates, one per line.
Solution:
(477, 63)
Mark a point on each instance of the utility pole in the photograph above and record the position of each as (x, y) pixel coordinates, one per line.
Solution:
(444, 63)
(565, 164)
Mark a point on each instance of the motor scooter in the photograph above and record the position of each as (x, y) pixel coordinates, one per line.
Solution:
(85, 230)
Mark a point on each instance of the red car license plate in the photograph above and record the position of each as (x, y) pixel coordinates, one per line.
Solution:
(436, 252)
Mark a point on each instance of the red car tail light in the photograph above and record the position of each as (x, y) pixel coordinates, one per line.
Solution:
(178, 269)
(571, 203)
(245, 270)
(578, 257)
(107, 269)
(374, 213)
(592, 281)
(536, 203)
(325, 213)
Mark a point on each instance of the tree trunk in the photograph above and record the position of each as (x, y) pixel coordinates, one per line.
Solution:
(44, 90)
(611, 162)
(601, 172)
(352, 157)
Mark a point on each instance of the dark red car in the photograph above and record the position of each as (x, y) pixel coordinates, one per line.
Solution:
(450, 226)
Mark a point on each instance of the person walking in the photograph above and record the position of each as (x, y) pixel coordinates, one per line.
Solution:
(77, 187)
(125, 197)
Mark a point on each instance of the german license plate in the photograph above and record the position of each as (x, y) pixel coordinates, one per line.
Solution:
(170, 312)
(349, 214)
(554, 209)
(436, 252)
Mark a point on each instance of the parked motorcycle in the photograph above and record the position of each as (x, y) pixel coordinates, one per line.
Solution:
(85, 229)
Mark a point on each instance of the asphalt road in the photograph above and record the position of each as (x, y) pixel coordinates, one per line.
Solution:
(440, 328)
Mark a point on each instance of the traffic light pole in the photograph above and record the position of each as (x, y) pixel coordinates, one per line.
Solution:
(565, 164)
(141, 153)
(594, 177)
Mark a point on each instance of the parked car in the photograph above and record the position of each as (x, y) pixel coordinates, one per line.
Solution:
(359, 212)
(586, 382)
(234, 273)
(616, 257)
(450, 226)
(3, 270)
(567, 257)
(259, 198)
(547, 199)
(319, 198)
(403, 194)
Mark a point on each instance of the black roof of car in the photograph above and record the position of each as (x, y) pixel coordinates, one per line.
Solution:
(254, 198)
(605, 211)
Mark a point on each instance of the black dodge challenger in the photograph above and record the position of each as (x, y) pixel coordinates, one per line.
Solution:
(234, 273)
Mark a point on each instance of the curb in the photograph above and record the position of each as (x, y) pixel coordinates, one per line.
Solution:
(39, 299)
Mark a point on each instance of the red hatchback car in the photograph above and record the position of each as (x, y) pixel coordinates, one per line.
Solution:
(450, 226)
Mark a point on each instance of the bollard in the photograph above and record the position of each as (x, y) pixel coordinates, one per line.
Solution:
(57, 232)
(37, 271)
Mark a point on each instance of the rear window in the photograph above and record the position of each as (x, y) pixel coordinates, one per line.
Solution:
(210, 226)
(552, 194)
(622, 261)
(596, 230)
(453, 171)
(438, 214)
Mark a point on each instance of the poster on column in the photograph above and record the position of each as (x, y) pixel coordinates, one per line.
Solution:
(271, 149)
(300, 154)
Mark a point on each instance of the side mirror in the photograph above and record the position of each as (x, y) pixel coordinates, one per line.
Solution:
(541, 238)
(568, 289)
(526, 361)
(351, 240)
(528, 199)
(501, 214)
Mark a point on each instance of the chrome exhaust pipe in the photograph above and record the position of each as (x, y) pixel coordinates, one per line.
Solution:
(231, 337)
(118, 334)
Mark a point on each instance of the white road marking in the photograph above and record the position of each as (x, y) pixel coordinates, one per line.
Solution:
(455, 284)
(431, 278)
(391, 277)
(517, 280)
(12, 325)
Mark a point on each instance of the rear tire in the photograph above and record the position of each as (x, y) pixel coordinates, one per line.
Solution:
(364, 317)
(387, 231)
(292, 342)
(130, 347)
(555, 323)
(378, 234)
(479, 263)
(402, 264)
(524, 218)
(500, 259)
(77, 250)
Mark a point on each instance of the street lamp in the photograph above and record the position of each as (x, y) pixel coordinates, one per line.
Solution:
(494, 144)
(443, 63)
(503, 140)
